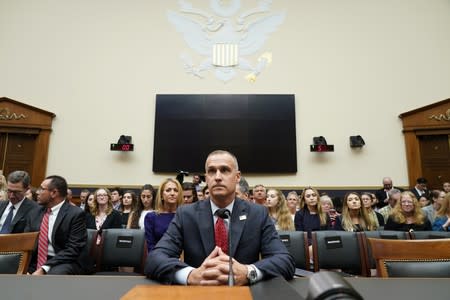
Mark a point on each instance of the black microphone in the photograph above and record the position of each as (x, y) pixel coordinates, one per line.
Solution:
(326, 285)
(225, 214)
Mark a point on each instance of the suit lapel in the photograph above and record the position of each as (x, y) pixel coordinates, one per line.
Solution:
(206, 226)
(59, 218)
(238, 220)
(20, 212)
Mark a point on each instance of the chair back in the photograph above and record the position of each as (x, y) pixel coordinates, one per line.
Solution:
(15, 252)
(121, 247)
(338, 250)
(381, 234)
(411, 258)
(424, 235)
(297, 244)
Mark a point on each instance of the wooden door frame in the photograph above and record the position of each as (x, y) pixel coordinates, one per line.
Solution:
(432, 119)
(18, 117)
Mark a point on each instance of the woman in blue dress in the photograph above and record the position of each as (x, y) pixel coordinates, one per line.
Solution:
(168, 198)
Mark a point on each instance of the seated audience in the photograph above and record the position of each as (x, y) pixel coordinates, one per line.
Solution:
(116, 197)
(144, 206)
(420, 188)
(103, 214)
(382, 194)
(259, 194)
(407, 215)
(311, 217)
(168, 198)
(15, 209)
(328, 208)
(278, 210)
(89, 204)
(293, 203)
(442, 221)
(354, 216)
(424, 201)
(31, 193)
(368, 200)
(446, 187)
(394, 196)
(62, 245)
(189, 193)
(128, 204)
(83, 197)
(242, 189)
(437, 197)
(205, 191)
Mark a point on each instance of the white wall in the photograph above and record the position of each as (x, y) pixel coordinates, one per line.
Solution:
(354, 66)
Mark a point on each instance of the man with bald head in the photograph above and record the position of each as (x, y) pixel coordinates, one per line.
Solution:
(198, 230)
(383, 193)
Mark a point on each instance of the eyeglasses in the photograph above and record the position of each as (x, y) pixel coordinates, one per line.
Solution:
(14, 192)
(407, 202)
(102, 195)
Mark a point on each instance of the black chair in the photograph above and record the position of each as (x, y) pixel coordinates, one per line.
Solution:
(296, 243)
(370, 263)
(338, 250)
(425, 235)
(15, 252)
(120, 247)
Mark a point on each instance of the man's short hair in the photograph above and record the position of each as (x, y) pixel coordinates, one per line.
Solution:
(20, 176)
(118, 189)
(422, 180)
(58, 183)
(392, 192)
(243, 186)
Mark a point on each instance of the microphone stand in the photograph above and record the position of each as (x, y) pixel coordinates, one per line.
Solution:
(225, 214)
(230, 262)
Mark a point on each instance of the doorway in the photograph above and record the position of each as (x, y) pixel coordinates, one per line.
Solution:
(17, 152)
(435, 158)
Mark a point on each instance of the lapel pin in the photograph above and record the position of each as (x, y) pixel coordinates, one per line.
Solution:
(243, 217)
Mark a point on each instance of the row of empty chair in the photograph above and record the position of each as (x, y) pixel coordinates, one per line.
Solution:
(348, 252)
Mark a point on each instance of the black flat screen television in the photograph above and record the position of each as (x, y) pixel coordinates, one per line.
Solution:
(258, 129)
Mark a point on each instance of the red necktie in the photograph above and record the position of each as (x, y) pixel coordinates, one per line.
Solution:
(43, 240)
(220, 233)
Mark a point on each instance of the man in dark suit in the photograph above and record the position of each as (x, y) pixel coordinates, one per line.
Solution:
(382, 194)
(192, 231)
(17, 206)
(64, 247)
(420, 188)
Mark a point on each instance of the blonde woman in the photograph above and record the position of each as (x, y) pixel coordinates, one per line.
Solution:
(407, 215)
(293, 203)
(442, 221)
(102, 214)
(328, 208)
(368, 201)
(311, 217)
(354, 216)
(168, 198)
(278, 210)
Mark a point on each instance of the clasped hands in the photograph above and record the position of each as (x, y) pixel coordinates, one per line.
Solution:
(215, 269)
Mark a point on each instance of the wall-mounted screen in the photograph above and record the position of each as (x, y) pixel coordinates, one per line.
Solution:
(258, 129)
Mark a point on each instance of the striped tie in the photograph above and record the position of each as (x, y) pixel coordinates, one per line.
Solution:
(43, 240)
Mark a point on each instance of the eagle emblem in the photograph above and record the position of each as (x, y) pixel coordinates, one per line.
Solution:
(226, 38)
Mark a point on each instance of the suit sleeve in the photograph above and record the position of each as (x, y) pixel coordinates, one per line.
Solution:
(276, 260)
(164, 261)
(76, 239)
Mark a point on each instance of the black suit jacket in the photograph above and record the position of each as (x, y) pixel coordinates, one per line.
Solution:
(69, 237)
(381, 195)
(113, 220)
(192, 231)
(20, 219)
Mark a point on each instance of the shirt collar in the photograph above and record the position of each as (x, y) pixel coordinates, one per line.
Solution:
(214, 207)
